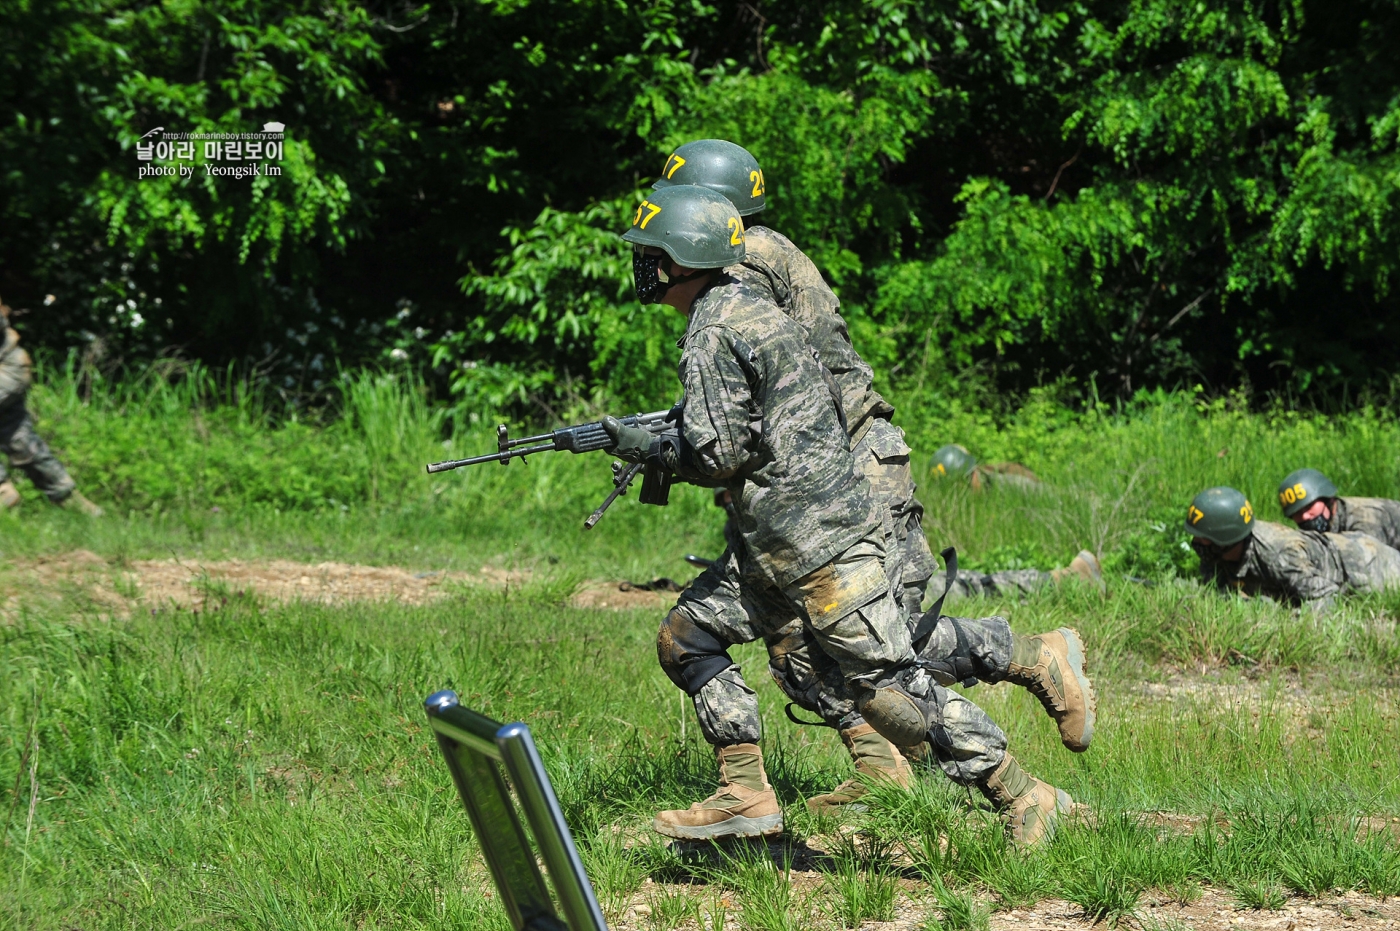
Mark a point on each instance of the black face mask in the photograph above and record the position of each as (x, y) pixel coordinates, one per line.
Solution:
(1319, 523)
(651, 280)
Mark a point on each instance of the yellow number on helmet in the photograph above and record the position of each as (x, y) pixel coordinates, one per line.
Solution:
(651, 209)
(673, 165)
(1299, 492)
(940, 469)
(1194, 514)
(1247, 512)
(736, 232)
(758, 186)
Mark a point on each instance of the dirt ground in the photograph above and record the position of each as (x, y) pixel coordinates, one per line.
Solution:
(203, 584)
(1215, 910)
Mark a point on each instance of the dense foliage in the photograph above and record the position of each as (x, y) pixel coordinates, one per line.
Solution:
(1123, 194)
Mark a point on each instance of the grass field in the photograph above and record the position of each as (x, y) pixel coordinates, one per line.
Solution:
(267, 764)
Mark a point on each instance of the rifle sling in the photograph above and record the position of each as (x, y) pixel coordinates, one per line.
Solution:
(930, 618)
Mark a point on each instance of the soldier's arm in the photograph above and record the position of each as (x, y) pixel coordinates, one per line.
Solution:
(717, 430)
(1302, 566)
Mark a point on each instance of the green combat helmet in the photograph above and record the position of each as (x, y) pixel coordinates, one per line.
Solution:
(720, 166)
(1302, 488)
(952, 460)
(694, 226)
(1221, 515)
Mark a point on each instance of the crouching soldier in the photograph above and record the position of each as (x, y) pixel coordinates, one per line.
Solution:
(1254, 557)
(1310, 499)
(762, 418)
(19, 441)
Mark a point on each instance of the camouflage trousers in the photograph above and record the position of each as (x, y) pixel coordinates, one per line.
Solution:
(1010, 582)
(19, 441)
(821, 667)
(883, 457)
(28, 452)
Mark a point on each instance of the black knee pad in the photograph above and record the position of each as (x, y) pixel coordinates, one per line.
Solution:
(960, 666)
(690, 655)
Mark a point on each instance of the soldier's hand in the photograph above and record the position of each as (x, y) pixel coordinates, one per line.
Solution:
(629, 443)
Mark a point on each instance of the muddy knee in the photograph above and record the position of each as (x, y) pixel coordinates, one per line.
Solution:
(689, 655)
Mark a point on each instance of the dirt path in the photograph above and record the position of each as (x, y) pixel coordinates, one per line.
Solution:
(1215, 910)
(200, 584)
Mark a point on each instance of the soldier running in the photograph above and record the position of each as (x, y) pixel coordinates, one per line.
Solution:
(1255, 557)
(780, 272)
(763, 419)
(1310, 499)
(19, 441)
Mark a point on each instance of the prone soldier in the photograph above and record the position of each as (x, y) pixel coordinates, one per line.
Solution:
(1017, 582)
(1256, 557)
(20, 442)
(953, 459)
(763, 419)
(777, 270)
(1310, 499)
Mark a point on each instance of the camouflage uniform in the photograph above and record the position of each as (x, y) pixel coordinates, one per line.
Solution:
(779, 271)
(1379, 517)
(1298, 566)
(809, 542)
(18, 440)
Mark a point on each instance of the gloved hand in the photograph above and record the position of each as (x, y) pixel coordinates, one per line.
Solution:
(629, 443)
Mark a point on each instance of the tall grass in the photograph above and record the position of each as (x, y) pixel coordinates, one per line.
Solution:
(179, 437)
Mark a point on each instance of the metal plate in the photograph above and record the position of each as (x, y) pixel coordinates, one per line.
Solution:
(481, 754)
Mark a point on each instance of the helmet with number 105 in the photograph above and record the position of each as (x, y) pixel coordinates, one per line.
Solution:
(1221, 515)
(720, 166)
(952, 460)
(1302, 487)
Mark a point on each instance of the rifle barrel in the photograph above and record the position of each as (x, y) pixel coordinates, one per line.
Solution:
(450, 464)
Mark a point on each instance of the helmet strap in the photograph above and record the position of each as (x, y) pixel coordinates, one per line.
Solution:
(652, 281)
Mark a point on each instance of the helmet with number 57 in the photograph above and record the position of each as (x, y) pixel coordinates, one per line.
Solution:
(696, 227)
(1221, 515)
(1303, 487)
(721, 166)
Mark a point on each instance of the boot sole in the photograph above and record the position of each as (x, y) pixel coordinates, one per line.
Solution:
(1075, 655)
(738, 826)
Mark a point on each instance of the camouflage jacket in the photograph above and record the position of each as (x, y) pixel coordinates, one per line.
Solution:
(15, 371)
(1304, 566)
(760, 417)
(782, 273)
(1379, 517)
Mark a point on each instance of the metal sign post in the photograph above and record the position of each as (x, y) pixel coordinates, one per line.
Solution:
(481, 754)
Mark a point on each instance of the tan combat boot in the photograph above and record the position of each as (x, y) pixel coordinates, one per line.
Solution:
(744, 806)
(77, 502)
(1051, 666)
(1031, 808)
(9, 495)
(876, 759)
(1085, 566)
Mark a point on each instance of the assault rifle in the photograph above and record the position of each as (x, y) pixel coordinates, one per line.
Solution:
(584, 438)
